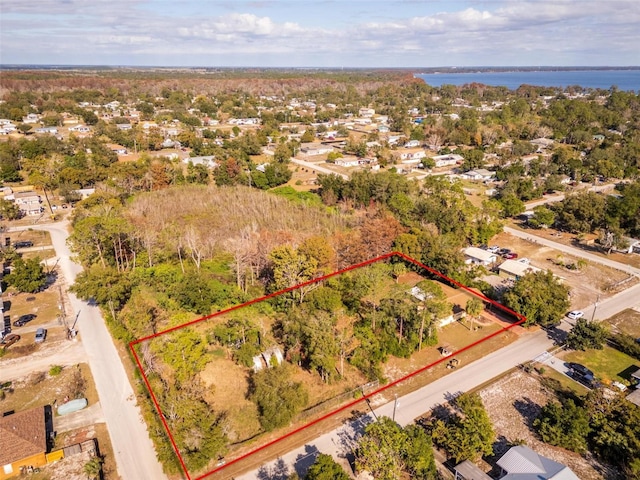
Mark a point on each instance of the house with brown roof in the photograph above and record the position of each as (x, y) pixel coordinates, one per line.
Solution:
(23, 441)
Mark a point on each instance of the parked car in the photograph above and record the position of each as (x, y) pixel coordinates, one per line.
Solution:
(510, 255)
(10, 340)
(503, 251)
(23, 320)
(23, 244)
(493, 249)
(41, 334)
(581, 373)
(575, 314)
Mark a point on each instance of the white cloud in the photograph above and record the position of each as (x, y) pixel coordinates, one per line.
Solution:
(482, 32)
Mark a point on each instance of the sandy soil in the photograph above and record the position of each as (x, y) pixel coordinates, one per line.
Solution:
(513, 402)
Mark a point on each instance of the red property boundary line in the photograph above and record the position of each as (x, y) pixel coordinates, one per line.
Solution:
(521, 319)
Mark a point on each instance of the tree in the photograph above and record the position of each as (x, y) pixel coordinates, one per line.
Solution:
(564, 425)
(542, 216)
(9, 210)
(540, 297)
(27, 276)
(93, 468)
(291, 268)
(473, 309)
(586, 335)
(511, 205)
(469, 433)
(326, 468)
(388, 452)
(279, 399)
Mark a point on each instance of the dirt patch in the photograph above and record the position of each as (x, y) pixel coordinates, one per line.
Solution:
(513, 402)
(627, 321)
(43, 388)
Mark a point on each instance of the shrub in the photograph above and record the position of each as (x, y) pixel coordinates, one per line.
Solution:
(55, 370)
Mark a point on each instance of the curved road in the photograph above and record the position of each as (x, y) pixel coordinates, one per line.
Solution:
(134, 452)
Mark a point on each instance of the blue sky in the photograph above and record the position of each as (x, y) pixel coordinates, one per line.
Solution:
(321, 33)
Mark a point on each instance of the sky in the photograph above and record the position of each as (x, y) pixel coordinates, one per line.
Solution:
(320, 33)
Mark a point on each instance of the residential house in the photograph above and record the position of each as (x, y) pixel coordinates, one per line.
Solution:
(207, 161)
(85, 192)
(447, 160)
(28, 202)
(478, 256)
(80, 129)
(478, 174)
(46, 130)
(23, 441)
(118, 149)
(522, 463)
(123, 126)
(409, 155)
(412, 144)
(312, 149)
(366, 112)
(516, 269)
(347, 162)
(31, 118)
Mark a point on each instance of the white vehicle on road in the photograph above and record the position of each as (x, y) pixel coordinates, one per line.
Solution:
(575, 314)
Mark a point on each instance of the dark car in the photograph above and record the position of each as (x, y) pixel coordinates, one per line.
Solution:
(581, 372)
(23, 320)
(23, 244)
(503, 251)
(41, 334)
(10, 340)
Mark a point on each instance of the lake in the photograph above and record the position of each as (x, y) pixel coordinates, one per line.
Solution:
(628, 80)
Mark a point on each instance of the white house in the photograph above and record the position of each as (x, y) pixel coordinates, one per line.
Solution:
(28, 202)
(447, 160)
(347, 162)
(516, 269)
(207, 161)
(409, 155)
(478, 174)
(478, 256)
(522, 463)
(80, 129)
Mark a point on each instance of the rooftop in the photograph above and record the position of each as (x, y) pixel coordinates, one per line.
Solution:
(22, 435)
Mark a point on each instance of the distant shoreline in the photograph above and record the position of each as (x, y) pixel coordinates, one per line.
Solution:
(415, 70)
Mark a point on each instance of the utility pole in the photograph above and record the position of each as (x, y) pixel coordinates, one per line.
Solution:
(395, 405)
(595, 307)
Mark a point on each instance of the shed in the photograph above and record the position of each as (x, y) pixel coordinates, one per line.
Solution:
(468, 470)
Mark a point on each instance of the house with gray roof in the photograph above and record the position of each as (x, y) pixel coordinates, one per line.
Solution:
(522, 463)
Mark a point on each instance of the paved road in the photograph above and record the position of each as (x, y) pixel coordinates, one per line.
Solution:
(527, 235)
(134, 452)
(339, 443)
(558, 197)
(317, 168)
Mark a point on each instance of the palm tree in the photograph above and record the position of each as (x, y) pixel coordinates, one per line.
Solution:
(474, 308)
(93, 468)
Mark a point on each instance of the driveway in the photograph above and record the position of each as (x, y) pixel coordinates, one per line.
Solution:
(65, 353)
(82, 418)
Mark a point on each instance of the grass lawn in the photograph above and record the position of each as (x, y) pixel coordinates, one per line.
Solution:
(608, 364)
(566, 382)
